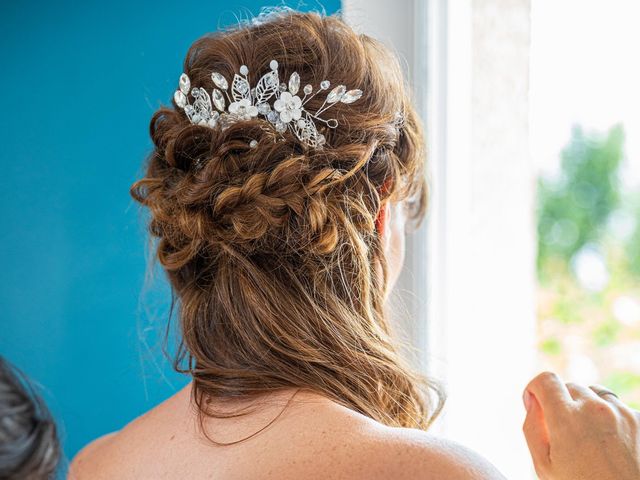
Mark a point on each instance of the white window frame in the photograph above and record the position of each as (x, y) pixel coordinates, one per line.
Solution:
(475, 285)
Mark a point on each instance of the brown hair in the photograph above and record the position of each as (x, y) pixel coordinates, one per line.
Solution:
(272, 252)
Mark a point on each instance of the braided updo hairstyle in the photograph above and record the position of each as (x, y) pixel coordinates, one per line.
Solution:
(272, 252)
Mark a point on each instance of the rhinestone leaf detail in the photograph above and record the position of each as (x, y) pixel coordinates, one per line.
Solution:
(351, 96)
(239, 88)
(294, 83)
(219, 80)
(266, 88)
(185, 83)
(180, 98)
(336, 94)
(218, 99)
(278, 103)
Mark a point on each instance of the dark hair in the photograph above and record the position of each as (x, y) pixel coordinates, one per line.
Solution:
(272, 251)
(29, 447)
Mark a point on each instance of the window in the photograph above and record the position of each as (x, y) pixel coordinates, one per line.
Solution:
(469, 279)
(586, 151)
(530, 259)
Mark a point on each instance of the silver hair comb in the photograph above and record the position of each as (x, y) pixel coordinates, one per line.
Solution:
(245, 103)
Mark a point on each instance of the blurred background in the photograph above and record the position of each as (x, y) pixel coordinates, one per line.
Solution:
(529, 260)
(585, 140)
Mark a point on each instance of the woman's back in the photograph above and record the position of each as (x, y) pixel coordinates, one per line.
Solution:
(272, 221)
(268, 217)
(313, 437)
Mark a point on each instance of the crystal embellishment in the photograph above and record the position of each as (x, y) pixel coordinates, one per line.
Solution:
(239, 88)
(294, 83)
(180, 98)
(351, 96)
(281, 104)
(219, 80)
(218, 99)
(336, 94)
(185, 83)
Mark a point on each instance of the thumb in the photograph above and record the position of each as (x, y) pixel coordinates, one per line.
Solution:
(536, 433)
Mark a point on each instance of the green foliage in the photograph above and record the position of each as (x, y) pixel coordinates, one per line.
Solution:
(551, 346)
(623, 382)
(565, 310)
(633, 246)
(606, 333)
(573, 209)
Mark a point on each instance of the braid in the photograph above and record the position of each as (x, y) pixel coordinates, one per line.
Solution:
(271, 246)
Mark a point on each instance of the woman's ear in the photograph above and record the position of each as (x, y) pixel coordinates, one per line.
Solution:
(381, 219)
(383, 214)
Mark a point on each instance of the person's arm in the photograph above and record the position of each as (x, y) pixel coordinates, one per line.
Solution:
(573, 433)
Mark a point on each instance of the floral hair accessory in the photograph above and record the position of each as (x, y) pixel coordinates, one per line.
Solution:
(244, 103)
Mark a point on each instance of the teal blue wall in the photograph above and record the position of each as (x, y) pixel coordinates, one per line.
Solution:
(79, 83)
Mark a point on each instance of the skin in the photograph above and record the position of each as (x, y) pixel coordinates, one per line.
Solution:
(316, 438)
(573, 433)
(393, 235)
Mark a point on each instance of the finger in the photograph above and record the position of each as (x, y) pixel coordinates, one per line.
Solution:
(552, 395)
(595, 388)
(537, 435)
(581, 393)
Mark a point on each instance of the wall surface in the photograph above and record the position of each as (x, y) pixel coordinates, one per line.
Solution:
(80, 82)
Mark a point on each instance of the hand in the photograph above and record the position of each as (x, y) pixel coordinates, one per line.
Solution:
(574, 434)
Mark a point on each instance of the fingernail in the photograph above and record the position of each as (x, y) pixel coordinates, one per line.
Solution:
(526, 398)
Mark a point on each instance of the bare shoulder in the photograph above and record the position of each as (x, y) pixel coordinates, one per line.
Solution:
(109, 456)
(351, 445)
(88, 460)
(315, 438)
(411, 454)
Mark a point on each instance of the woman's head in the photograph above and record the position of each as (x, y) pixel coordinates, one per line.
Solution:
(29, 446)
(275, 253)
